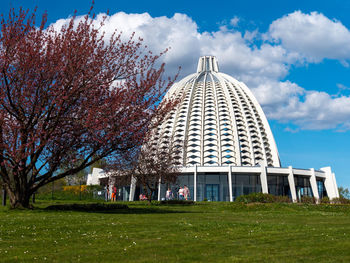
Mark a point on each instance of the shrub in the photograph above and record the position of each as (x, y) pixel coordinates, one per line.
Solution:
(282, 199)
(325, 200)
(76, 189)
(54, 186)
(308, 200)
(262, 198)
(256, 198)
(340, 200)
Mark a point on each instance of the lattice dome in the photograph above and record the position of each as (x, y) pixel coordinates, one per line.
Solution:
(218, 121)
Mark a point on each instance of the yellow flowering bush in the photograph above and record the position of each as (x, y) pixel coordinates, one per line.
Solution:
(76, 189)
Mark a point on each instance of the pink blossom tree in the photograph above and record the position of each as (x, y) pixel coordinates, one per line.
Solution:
(70, 96)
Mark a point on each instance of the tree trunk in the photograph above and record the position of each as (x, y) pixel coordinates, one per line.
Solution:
(4, 196)
(19, 198)
(150, 196)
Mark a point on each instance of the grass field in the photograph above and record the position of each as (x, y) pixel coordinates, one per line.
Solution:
(205, 232)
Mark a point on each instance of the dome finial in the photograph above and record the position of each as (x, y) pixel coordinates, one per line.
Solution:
(207, 63)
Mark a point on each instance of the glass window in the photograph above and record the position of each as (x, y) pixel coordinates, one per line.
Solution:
(302, 187)
(321, 188)
(243, 184)
(278, 185)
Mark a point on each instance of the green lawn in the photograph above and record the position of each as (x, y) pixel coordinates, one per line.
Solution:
(205, 232)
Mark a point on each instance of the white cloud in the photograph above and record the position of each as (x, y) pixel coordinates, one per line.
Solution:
(291, 130)
(314, 110)
(273, 94)
(234, 21)
(250, 36)
(342, 86)
(293, 39)
(312, 35)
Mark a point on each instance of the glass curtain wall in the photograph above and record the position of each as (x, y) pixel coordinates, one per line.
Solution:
(126, 193)
(123, 193)
(302, 186)
(163, 189)
(182, 180)
(278, 185)
(243, 184)
(212, 187)
(321, 188)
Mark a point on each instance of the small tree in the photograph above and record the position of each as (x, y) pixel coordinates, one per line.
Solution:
(77, 178)
(344, 192)
(68, 95)
(152, 164)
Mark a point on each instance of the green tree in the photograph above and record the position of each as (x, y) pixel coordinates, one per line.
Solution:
(344, 192)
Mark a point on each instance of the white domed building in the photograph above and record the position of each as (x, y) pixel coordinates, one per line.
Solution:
(227, 147)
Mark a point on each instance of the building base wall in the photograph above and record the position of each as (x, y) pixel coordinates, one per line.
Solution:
(226, 183)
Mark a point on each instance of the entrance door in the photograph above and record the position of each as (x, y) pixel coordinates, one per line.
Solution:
(212, 192)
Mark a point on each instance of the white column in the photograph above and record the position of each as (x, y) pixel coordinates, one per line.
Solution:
(292, 184)
(159, 187)
(230, 182)
(335, 186)
(330, 184)
(132, 188)
(195, 184)
(263, 180)
(314, 185)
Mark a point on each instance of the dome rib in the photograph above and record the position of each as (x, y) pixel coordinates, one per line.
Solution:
(189, 109)
(203, 116)
(234, 121)
(237, 95)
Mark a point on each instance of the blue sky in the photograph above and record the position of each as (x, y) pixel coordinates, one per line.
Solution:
(294, 55)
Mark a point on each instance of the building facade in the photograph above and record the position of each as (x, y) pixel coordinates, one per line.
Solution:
(227, 147)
